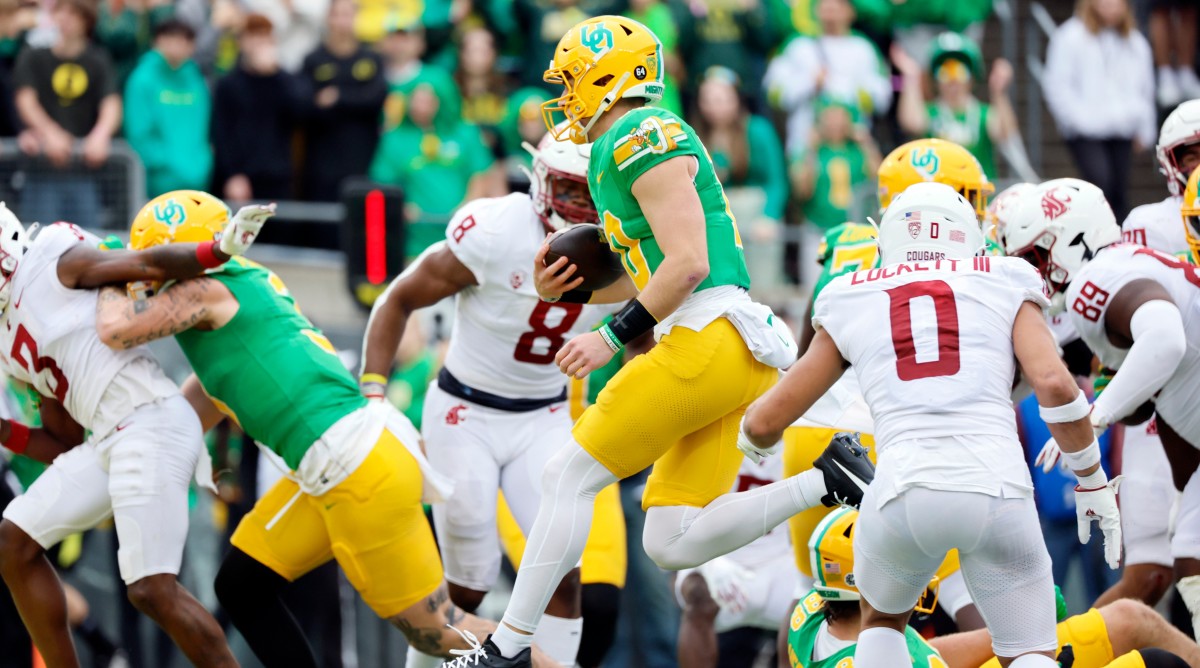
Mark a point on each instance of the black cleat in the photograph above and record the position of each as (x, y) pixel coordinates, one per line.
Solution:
(847, 470)
(487, 655)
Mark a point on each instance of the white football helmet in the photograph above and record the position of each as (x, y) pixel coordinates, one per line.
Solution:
(1058, 227)
(929, 221)
(1181, 128)
(13, 243)
(559, 170)
(1002, 207)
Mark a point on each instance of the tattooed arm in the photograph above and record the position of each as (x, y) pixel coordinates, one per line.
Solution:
(123, 322)
(83, 267)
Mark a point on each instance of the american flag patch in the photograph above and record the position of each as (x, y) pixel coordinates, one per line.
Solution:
(958, 236)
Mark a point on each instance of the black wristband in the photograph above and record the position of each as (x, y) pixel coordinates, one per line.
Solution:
(575, 297)
(631, 322)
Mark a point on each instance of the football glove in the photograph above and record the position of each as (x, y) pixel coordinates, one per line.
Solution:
(1100, 505)
(1050, 455)
(244, 228)
(752, 451)
(726, 582)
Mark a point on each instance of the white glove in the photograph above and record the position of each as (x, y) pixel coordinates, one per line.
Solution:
(726, 582)
(1100, 505)
(1050, 455)
(752, 451)
(243, 229)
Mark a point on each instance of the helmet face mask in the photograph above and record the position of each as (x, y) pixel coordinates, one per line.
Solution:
(568, 198)
(1191, 213)
(1179, 131)
(13, 242)
(558, 182)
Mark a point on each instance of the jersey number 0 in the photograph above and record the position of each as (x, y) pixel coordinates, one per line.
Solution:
(944, 307)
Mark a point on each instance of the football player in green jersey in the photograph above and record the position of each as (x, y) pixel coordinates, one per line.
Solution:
(824, 627)
(663, 210)
(357, 474)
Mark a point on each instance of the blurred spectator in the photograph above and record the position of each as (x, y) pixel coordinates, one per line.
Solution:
(297, 26)
(403, 47)
(657, 16)
(126, 29)
(439, 18)
(483, 87)
(66, 92)
(1173, 33)
(439, 160)
(523, 123)
(539, 24)
(11, 32)
(348, 89)
(167, 109)
(254, 114)
(748, 157)
(831, 178)
(731, 33)
(917, 24)
(1103, 118)
(955, 114)
(837, 63)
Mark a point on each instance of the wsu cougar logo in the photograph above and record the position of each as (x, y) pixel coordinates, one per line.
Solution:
(455, 414)
(1054, 205)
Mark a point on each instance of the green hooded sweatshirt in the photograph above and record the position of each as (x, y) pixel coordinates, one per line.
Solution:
(166, 121)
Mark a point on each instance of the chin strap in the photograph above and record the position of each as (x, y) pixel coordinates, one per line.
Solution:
(605, 104)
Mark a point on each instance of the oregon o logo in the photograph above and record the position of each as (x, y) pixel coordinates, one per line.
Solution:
(170, 212)
(598, 40)
(69, 81)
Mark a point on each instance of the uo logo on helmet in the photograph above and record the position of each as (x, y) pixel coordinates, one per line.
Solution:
(170, 213)
(926, 162)
(599, 38)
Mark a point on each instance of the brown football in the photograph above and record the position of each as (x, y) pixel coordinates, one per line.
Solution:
(586, 248)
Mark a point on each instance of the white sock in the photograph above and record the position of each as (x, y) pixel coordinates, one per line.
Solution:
(1166, 73)
(509, 642)
(570, 482)
(415, 659)
(881, 648)
(679, 537)
(559, 638)
(1189, 591)
(1033, 661)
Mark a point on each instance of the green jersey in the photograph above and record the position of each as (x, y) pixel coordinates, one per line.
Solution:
(845, 249)
(841, 171)
(967, 128)
(806, 623)
(641, 139)
(268, 368)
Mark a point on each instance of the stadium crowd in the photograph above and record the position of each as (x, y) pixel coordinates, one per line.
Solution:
(797, 102)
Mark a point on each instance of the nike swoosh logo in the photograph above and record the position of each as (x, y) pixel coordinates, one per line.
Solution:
(121, 427)
(555, 409)
(21, 296)
(857, 480)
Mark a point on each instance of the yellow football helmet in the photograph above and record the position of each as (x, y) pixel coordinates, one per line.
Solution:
(1191, 213)
(831, 548)
(177, 217)
(599, 61)
(934, 160)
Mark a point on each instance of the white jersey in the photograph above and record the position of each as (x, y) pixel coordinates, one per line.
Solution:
(1158, 226)
(1092, 290)
(48, 340)
(931, 343)
(505, 338)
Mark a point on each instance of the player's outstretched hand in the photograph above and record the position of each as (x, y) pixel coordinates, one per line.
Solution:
(752, 451)
(726, 583)
(244, 228)
(583, 354)
(1050, 455)
(1100, 505)
(553, 280)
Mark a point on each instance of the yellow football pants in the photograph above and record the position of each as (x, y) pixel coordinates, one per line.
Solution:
(372, 523)
(678, 407)
(1088, 635)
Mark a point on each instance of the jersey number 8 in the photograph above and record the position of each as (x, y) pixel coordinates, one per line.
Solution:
(552, 335)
